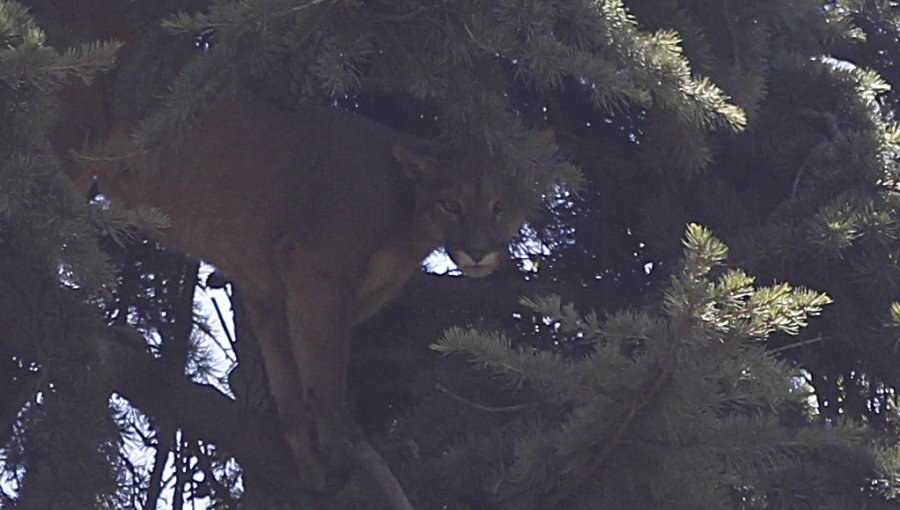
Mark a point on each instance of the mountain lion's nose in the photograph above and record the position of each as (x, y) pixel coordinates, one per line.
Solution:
(477, 254)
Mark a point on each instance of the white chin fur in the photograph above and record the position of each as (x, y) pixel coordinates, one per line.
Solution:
(477, 271)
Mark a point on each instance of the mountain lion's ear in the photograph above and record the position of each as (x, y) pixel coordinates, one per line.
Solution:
(416, 163)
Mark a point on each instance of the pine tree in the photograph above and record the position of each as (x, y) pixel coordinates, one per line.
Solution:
(677, 405)
(670, 381)
(50, 266)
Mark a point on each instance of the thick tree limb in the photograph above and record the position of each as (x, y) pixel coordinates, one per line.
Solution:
(253, 438)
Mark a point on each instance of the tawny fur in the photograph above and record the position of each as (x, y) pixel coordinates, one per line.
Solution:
(319, 216)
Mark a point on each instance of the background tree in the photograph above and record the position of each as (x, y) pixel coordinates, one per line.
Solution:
(689, 386)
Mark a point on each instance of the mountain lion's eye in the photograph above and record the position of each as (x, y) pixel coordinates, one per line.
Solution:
(451, 207)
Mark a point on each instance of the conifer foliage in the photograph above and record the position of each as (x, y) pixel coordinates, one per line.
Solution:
(617, 362)
(677, 407)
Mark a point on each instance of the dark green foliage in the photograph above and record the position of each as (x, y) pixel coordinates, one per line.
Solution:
(459, 55)
(809, 193)
(49, 264)
(677, 406)
(689, 385)
(62, 447)
(38, 214)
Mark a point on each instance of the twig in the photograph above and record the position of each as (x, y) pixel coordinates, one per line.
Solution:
(492, 409)
(154, 491)
(476, 41)
(207, 331)
(812, 152)
(249, 20)
(797, 344)
(81, 156)
(223, 494)
(405, 16)
(222, 323)
(181, 469)
(732, 30)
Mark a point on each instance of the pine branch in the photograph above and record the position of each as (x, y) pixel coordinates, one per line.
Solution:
(47, 70)
(239, 14)
(640, 400)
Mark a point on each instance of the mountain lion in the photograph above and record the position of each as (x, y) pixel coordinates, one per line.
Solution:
(319, 216)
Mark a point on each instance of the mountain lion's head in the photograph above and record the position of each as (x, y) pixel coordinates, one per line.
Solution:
(466, 204)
